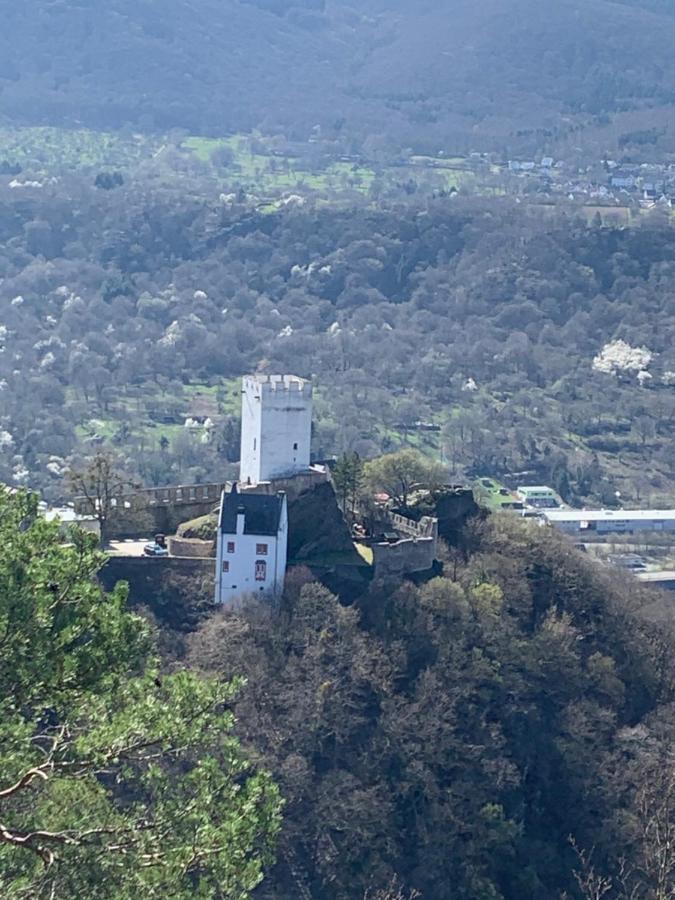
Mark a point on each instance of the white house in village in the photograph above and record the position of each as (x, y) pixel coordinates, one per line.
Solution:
(276, 427)
(251, 544)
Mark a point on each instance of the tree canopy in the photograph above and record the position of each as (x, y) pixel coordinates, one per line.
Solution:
(493, 323)
(115, 780)
(398, 474)
(452, 738)
(396, 73)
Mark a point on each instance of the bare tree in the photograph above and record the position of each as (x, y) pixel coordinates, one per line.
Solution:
(393, 891)
(592, 885)
(656, 815)
(652, 877)
(100, 486)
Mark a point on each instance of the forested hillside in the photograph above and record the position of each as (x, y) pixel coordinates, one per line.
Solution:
(502, 732)
(428, 74)
(456, 218)
(130, 309)
(478, 737)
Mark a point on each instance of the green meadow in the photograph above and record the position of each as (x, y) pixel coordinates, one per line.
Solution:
(246, 161)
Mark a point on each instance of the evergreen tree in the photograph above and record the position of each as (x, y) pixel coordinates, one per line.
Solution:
(348, 479)
(114, 782)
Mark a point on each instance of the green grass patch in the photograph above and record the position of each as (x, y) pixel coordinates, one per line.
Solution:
(366, 553)
(104, 428)
(328, 560)
(492, 494)
(55, 149)
(203, 147)
(154, 433)
(142, 413)
(254, 165)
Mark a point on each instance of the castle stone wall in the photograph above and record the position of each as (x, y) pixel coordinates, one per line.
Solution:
(192, 548)
(406, 557)
(292, 486)
(427, 527)
(144, 513)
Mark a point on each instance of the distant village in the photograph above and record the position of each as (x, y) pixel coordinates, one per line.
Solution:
(621, 182)
(610, 181)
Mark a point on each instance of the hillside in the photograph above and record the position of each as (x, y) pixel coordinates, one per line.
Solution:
(396, 71)
(458, 736)
(143, 306)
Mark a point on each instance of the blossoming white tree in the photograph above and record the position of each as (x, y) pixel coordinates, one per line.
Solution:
(619, 357)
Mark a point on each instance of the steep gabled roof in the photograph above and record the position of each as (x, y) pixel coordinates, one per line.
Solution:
(262, 513)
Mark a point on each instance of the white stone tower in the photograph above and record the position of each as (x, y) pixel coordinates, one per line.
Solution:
(276, 427)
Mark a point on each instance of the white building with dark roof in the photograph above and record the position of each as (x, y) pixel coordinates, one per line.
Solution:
(251, 545)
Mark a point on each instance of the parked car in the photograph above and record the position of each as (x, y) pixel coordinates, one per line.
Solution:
(152, 548)
(628, 561)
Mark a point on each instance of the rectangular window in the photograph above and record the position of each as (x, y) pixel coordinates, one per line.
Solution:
(295, 446)
(226, 566)
(260, 570)
(255, 443)
(230, 546)
(261, 549)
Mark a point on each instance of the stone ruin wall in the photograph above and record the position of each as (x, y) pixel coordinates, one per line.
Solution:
(406, 557)
(292, 486)
(191, 548)
(158, 510)
(427, 527)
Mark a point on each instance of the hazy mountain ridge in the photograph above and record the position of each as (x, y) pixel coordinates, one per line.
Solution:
(409, 72)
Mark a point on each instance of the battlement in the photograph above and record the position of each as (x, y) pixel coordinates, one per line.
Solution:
(146, 498)
(427, 527)
(292, 486)
(269, 385)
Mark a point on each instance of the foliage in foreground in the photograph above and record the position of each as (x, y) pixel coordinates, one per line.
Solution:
(114, 782)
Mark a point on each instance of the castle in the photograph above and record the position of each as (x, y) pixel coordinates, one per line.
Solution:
(282, 509)
(252, 537)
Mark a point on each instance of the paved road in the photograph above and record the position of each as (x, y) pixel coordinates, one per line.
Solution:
(127, 548)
